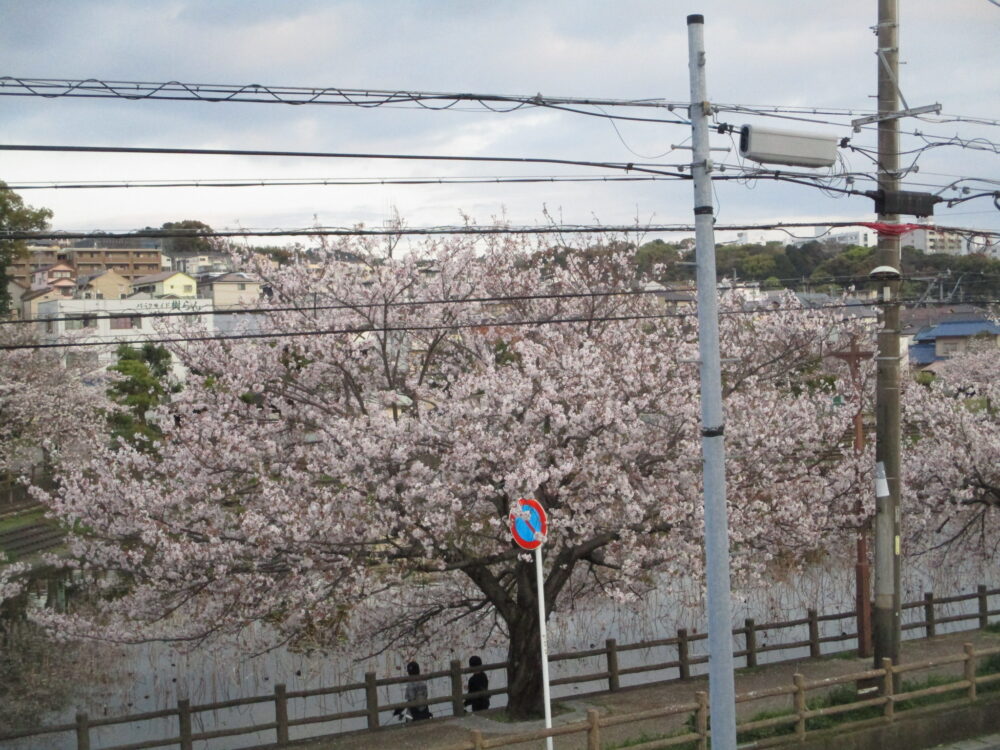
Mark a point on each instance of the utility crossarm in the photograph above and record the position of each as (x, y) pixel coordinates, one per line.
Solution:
(910, 112)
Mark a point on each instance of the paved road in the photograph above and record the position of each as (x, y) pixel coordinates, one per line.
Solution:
(441, 733)
(981, 743)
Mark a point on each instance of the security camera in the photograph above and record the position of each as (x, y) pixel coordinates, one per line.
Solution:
(884, 273)
(794, 148)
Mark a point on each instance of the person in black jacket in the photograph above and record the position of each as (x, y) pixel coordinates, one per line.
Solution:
(478, 683)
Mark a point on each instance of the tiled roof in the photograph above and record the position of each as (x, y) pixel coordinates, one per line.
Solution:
(957, 328)
(155, 277)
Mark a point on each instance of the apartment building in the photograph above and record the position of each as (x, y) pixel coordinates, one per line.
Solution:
(132, 263)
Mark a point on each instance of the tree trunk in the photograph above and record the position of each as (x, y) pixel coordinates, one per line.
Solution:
(524, 657)
(524, 670)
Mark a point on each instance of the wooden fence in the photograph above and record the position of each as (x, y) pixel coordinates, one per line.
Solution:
(366, 692)
(889, 701)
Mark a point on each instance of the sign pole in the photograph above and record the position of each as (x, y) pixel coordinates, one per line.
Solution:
(529, 526)
(540, 580)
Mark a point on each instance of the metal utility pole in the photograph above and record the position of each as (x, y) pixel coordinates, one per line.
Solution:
(886, 620)
(722, 693)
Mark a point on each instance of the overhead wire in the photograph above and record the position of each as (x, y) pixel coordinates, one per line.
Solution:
(382, 304)
(487, 323)
(472, 230)
(330, 182)
(52, 88)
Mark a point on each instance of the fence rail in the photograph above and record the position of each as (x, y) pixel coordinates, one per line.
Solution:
(611, 674)
(794, 721)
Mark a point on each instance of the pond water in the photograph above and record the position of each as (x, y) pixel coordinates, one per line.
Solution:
(151, 677)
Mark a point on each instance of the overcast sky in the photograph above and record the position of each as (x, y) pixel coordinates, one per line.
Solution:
(774, 52)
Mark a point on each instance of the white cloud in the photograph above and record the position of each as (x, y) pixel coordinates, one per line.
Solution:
(767, 51)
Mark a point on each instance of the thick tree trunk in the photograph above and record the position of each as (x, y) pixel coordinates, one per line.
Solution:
(524, 670)
(524, 657)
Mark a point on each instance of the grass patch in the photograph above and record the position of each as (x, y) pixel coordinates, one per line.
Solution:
(20, 520)
(645, 737)
(993, 627)
(841, 656)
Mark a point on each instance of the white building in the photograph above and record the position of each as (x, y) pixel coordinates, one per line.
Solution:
(931, 241)
(115, 321)
(850, 236)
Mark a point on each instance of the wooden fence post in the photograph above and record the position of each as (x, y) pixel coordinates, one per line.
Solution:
(970, 669)
(593, 730)
(184, 722)
(930, 625)
(800, 706)
(984, 606)
(682, 654)
(457, 702)
(477, 739)
(281, 713)
(611, 653)
(889, 710)
(813, 633)
(371, 700)
(82, 731)
(701, 719)
(750, 633)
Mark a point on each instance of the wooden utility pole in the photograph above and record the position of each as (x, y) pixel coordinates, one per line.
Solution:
(886, 619)
(862, 569)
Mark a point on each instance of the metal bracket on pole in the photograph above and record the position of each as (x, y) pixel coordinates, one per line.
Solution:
(868, 119)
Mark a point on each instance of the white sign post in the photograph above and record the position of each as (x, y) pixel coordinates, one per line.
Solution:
(529, 533)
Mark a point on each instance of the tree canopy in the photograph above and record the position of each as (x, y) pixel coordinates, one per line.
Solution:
(15, 216)
(351, 483)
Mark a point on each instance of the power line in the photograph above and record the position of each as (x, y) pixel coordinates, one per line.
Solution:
(383, 305)
(53, 88)
(320, 231)
(411, 328)
(360, 304)
(331, 181)
(625, 166)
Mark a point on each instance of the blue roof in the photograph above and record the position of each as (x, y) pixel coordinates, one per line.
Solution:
(958, 328)
(923, 354)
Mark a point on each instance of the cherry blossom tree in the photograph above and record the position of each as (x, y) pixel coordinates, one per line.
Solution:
(47, 408)
(344, 474)
(951, 463)
(49, 415)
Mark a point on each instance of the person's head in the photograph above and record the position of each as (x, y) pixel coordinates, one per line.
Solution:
(412, 668)
(475, 661)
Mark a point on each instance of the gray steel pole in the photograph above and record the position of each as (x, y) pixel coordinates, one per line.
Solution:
(722, 693)
(886, 615)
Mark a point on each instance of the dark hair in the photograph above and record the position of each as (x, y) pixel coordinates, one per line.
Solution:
(412, 668)
(475, 661)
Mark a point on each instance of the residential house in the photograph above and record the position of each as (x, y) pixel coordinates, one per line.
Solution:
(57, 276)
(949, 338)
(31, 300)
(165, 284)
(107, 284)
(235, 289)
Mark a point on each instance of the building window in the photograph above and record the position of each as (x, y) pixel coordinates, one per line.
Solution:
(124, 322)
(241, 287)
(188, 288)
(86, 321)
